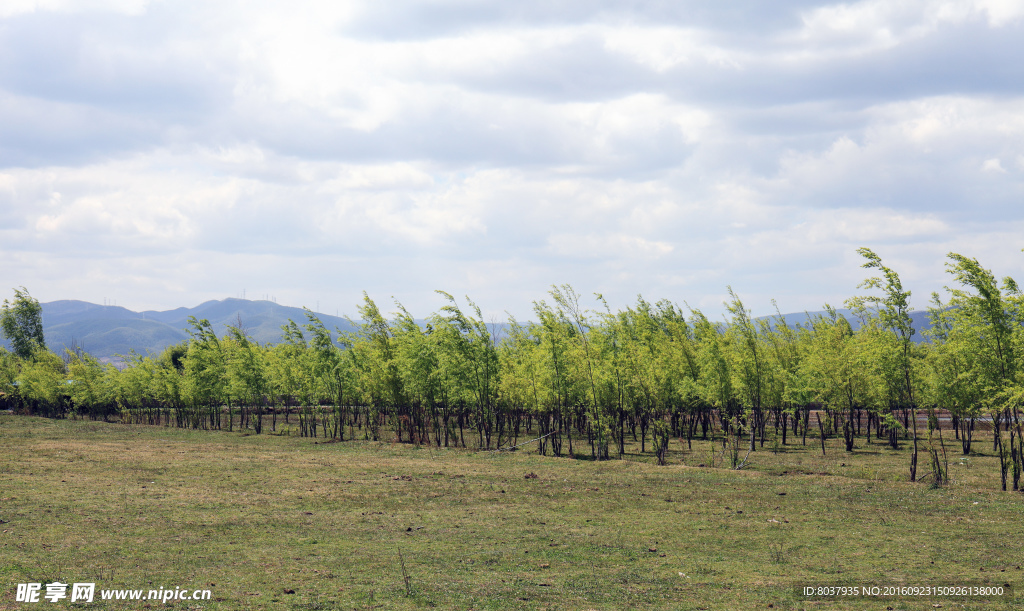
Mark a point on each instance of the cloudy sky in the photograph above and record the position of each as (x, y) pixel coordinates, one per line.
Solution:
(162, 153)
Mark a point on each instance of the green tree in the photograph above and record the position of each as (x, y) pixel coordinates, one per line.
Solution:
(290, 372)
(584, 358)
(952, 358)
(331, 371)
(749, 368)
(467, 338)
(86, 388)
(520, 384)
(246, 375)
(785, 388)
(9, 365)
(42, 383)
(203, 385)
(985, 321)
(834, 372)
(22, 323)
(371, 353)
(554, 336)
(893, 313)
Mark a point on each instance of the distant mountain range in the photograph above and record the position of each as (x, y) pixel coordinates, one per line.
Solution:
(109, 331)
(918, 318)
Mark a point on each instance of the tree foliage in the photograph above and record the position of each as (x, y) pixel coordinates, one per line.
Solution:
(583, 379)
(22, 323)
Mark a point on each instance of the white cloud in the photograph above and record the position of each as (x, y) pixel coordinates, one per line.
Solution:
(1001, 12)
(929, 150)
(993, 165)
(10, 8)
(876, 24)
(663, 48)
(497, 149)
(608, 246)
(873, 225)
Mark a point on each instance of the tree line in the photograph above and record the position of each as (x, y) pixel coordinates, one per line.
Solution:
(578, 381)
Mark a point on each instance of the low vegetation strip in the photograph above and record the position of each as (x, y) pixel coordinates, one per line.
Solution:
(286, 522)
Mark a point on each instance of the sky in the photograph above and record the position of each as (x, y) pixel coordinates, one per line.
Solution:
(158, 154)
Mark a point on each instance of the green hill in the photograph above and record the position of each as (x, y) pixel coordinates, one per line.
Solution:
(108, 331)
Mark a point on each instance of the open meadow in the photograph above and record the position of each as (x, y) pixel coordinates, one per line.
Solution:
(284, 522)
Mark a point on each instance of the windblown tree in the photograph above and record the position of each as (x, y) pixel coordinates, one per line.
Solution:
(332, 374)
(951, 359)
(204, 384)
(290, 371)
(452, 379)
(749, 366)
(42, 383)
(521, 383)
(374, 360)
(467, 337)
(785, 392)
(9, 366)
(169, 374)
(89, 388)
(136, 390)
(247, 378)
(986, 323)
(655, 375)
(418, 366)
(556, 337)
(715, 383)
(567, 329)
(680, 358)
(637, 376)
(834, 372)
(892, 309)
(22, 324)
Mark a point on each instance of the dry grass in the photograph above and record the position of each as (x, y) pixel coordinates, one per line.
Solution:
(253, 517)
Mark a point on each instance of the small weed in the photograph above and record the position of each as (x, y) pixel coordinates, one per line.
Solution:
(405, 575)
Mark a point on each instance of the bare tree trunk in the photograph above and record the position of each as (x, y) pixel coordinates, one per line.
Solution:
(913, 457)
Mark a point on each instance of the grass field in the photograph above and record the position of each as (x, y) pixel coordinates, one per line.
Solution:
(273, 522)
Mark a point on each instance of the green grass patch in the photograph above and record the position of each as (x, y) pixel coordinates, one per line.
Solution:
(274, 522)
